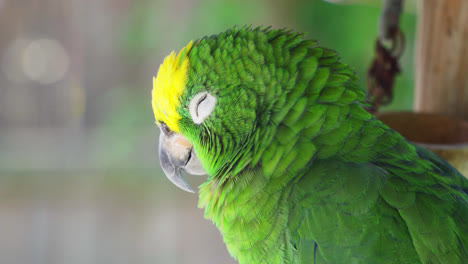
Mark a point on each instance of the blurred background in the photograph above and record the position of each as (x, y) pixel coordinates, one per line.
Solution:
(80, 180)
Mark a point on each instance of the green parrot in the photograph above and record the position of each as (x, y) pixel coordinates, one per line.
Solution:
(298, 171)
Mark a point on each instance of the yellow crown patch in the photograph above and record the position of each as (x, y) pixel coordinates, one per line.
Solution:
(168, 86)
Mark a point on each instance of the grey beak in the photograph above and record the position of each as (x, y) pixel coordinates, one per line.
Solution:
(176, 154)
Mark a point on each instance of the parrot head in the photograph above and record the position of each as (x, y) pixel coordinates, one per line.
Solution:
(223, 100)
(203, 107)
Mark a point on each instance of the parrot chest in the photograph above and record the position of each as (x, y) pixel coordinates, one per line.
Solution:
(254, 223)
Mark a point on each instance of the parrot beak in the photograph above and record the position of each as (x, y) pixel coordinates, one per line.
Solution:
(176, 154)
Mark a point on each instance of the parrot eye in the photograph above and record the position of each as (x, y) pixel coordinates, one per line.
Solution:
(201, 106)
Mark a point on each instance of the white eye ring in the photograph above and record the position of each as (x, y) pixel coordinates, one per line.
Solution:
(201, 106)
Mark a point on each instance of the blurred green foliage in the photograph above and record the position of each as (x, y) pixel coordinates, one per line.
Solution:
(350, 29)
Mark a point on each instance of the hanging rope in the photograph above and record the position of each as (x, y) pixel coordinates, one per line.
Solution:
(389, 47)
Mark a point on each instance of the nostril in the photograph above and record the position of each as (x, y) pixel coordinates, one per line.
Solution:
(164, 128)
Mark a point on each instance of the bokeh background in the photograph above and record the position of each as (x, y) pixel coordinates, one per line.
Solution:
(80, 181)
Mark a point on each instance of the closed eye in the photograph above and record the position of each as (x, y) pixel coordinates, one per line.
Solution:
(201, 106)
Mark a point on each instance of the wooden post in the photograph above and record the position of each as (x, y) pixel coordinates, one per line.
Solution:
(442, 58)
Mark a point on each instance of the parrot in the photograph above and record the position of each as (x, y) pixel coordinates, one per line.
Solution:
(298, 172)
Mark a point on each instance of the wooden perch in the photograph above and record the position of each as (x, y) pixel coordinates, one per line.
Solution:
(442, 58)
